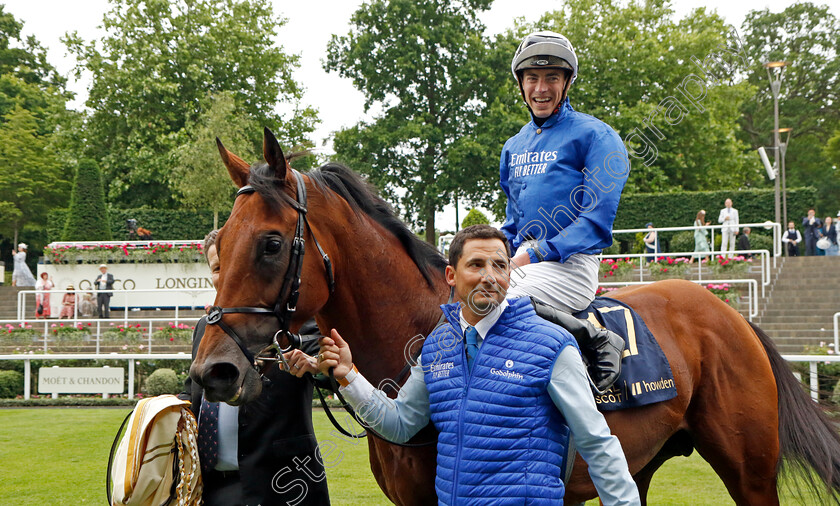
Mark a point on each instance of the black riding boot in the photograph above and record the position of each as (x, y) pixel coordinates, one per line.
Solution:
(601, 348)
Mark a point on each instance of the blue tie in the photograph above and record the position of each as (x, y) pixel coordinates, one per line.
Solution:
(471, 338)
(208, 434)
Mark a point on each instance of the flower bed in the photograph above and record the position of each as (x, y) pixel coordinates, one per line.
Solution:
(735, 265)
(726, 293)
(69, 333)
(124, 334)
(20, 334)
(668, 267)
(605, 290)
(616, 269)
(105, 254)
(173, 333)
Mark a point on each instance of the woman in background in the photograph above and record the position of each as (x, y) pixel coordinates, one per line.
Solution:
(21, 276)
(42, 300)
(68, 303)
(701, 243)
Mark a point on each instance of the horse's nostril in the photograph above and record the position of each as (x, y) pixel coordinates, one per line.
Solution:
(220, 376)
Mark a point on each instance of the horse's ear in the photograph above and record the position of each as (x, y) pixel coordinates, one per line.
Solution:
(237, 167)
(274, 155)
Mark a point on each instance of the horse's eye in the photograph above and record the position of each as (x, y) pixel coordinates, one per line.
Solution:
(272, 246)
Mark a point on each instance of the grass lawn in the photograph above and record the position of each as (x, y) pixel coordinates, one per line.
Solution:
(58, 456)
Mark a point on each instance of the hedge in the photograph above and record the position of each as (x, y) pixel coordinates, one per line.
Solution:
(87, 219)
(163, 381)
(11, 384)
(679, 209)
(165, 224)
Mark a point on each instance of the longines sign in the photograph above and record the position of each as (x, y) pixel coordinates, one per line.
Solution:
(81, 380)
(133, 278)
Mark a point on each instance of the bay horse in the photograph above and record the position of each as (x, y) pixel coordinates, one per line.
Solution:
(739, 405)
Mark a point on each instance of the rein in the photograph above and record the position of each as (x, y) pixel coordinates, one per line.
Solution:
(291, 288)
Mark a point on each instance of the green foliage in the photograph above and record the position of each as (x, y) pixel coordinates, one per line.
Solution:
(87, 218)
(165, 224)
(174, 334)
(808, 37)
(474, 217)
(11, 384)
(155, 70)
(163, 381)
(69, 334)
(123, 334)
(419, 62)
(29, 182)
(682, 241)
(32, 105)
(634, 56)
(199, 175)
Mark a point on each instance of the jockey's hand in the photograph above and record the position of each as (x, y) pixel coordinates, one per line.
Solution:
(335, 354)
(520, 260)
(300, 363)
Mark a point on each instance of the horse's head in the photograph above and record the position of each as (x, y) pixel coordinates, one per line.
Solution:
(257, 273)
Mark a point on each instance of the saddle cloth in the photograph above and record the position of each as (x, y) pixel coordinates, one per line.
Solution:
(645, 376)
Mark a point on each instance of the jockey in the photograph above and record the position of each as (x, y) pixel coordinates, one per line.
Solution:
(563, 174)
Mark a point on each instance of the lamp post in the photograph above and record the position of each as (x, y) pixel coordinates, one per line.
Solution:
(774, 73)
(783, 148)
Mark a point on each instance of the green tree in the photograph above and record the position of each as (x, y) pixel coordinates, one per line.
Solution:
(808, 37)
(474, 217)
(154, 71)
(199, 174)
(87, 218)
(29, 183)
(635, 58)
(32, 106)
(418, 61)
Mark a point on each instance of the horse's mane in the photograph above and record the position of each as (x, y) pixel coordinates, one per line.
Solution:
(363, 198)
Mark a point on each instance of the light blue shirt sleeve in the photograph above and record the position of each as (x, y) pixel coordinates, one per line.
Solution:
(569, 389)
(395, 419)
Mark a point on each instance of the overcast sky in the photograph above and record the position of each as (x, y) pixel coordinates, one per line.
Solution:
(307, 32)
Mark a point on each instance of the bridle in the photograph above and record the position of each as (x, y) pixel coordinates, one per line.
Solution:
(286, 304)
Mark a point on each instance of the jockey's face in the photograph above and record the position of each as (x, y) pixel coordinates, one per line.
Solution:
(481, 278)
(543, 90)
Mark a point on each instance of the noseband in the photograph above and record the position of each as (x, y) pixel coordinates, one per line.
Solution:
(284, 308)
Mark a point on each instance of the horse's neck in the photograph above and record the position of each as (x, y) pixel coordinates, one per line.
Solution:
(381, 302)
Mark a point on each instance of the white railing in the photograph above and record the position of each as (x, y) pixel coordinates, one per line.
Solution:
(194, 292)
(764, 261)
(129, 244)
(752, 291)
(96, 328)
(777, 234)
(27, 364)
(812, 360)
(837, 331)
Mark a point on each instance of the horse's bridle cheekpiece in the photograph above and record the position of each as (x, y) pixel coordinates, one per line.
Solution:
(284, 309)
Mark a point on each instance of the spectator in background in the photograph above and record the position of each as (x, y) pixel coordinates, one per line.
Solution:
(42, 300)
(21, 275)
(104, 283)
(830, 232)
(744, 242)
(811, 224)
(651, 244)
(729, 219)
(791, 238)
(68, 303)
(701, 242)
(87, 306)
